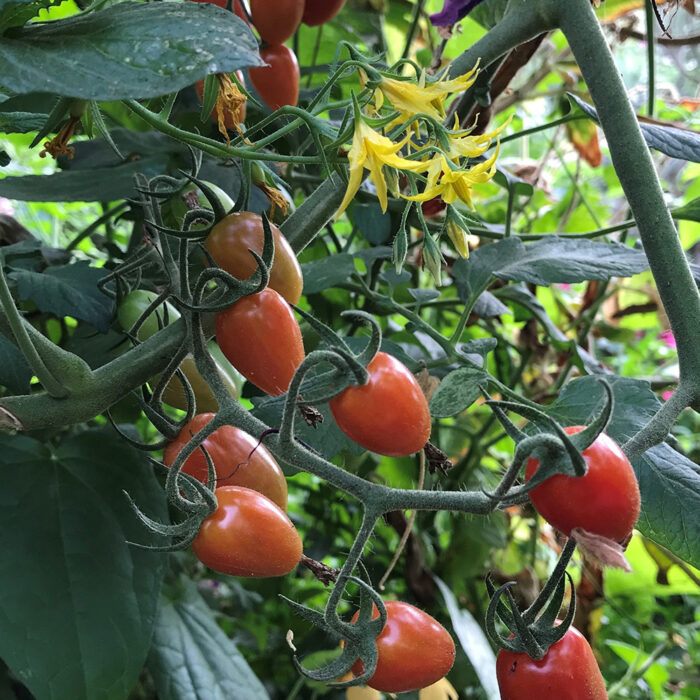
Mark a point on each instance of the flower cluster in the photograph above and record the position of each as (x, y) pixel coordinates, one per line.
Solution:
(440, 158)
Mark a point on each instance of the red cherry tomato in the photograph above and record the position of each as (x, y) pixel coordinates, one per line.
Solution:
(567, 672)
(276, 20)
(247, 535)
(278, 83)
(228, 120)
(321, 11)
(229, 448)
(604, 502)
(414, 650)
(260, 337)
(389, 414)
(232, 238)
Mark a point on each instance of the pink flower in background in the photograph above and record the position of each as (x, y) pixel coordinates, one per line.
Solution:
(668, 339)
(6, 207)
(565, 286)
(453, 11)
(639, 335)
(666, 395)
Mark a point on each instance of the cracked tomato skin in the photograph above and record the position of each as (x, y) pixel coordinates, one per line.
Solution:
(229, 448)
(230, 241)
(321, 11)
(247, 535)
(605, 501)
(388, 415)
(567, 672)
(414, 650)
(277, 83)
(259, 335)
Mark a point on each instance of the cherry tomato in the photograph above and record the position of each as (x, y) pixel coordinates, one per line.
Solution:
(321, 11)
(228, 119)
(414, 649)
(229, 449)
(247, 535)
(260, 337)
(567, 672)
(604, 502)
(389, 414)
(278, 83)
(276, 20)
(232, 238)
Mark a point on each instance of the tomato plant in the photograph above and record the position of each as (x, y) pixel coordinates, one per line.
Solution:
(239, 459)
(604, 502)
(414, 650)
(231, 239)
(228, 119)
(277, 83)
(276, 20)
(247, 535)
(321, 11)
(223, 3)
(568, 671)
(260, 337)
(388, 415)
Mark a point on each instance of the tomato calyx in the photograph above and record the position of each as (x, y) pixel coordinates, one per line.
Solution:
(534, 630)
(322, 572)
(436, 459)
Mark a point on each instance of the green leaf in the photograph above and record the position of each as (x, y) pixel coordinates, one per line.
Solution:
(15, 373)
(327, 272)
(488, 14)
(192, 658)
(98, 185)
(674, 142)
(130, 50)
(14, 13)
(374, 225)
(549, 260)
(655, 675)
(457, 391)
(689, 211)
(78, 603)
(512, 183)
(473, 641)
(67, 290)
(669, 482)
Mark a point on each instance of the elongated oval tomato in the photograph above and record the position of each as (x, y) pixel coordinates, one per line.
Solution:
(567, 672)
(238, 459)
(414, 650)
(278, 83)
(604, 502)
(321, 11)
(260, 337)
(231, 239)
(276, 20)
(247, 535)
(228, 119)
(389, 414)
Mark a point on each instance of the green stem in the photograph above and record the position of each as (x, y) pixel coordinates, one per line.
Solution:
(53, 386)
(651, 69)
(509, 211)
(417, 12)
(104, 219)
(575, 185)
(543, 127)
(314, 57)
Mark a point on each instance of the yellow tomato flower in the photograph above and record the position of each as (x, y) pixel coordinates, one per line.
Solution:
(452, 184)
(469, 146)
(459, 238)
(373, 151)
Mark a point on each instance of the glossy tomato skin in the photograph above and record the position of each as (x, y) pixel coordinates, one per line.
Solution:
(321, 11)
(278, 83)
(567, 672)
(228, 119)
(414, 650)
(388, 415)
(260, 337)
(229, 448)
(276, 20)
(247, 535)
(605, 501)
(231, 239)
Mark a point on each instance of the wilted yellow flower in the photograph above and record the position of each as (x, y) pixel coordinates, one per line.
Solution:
(452, 183)
(411, 98)
(373, 151)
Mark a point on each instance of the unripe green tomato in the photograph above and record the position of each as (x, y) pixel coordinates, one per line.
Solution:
(175, 208)
(134, 304)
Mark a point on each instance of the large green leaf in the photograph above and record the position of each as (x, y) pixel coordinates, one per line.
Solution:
(78, 603)
(549, 260)
(669, 481)
(15, 373)
(327, 272)
(457, 391)
(192, 658)
(131, 50)
(67, 290)
(689, 211)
